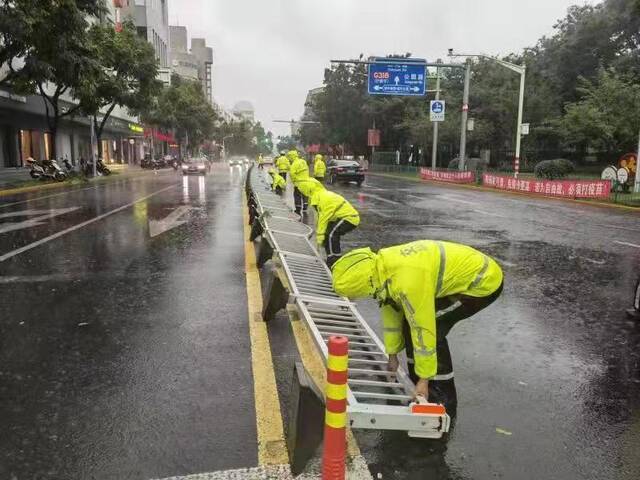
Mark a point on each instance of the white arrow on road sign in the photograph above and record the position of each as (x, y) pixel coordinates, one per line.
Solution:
(437, 110)
(397, 80)
(38, 218)
(158, 227)
(377, 88)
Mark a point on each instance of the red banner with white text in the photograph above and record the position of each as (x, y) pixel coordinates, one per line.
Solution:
(554, 188)
(447, 176)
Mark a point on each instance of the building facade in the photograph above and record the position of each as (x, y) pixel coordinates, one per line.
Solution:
(204, 55)
(183, 63)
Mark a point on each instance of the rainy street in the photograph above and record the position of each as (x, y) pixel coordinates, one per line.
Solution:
(125, 350)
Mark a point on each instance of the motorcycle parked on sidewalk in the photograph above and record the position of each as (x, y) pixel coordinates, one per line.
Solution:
(46, 170)
(102, 168)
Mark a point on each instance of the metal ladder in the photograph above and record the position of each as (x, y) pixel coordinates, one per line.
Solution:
(377, 399)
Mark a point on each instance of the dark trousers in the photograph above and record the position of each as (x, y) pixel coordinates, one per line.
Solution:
(300, 201)
(279, 191)
(332, 239)
(444, 388)
(283, 175)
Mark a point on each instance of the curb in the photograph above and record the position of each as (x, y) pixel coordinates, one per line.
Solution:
(53, 186)
(508, 192)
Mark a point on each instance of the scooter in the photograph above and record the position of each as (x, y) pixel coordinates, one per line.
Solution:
(36, 171)
(102, 168)
(53, 170)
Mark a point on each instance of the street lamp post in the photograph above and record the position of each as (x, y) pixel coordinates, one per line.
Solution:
(522, 71)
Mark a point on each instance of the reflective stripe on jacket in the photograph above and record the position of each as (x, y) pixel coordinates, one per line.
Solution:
(282, 163)
(415, 275)
(332, 207)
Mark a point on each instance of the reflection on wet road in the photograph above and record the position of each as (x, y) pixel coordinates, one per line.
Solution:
(548, 377)
(124, 345)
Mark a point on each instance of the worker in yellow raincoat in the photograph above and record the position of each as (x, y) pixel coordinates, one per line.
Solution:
(412, 282)
(283, 165)
(260, 161)
(278, 184)
(335, 217)
(299, 171)
(319, 168)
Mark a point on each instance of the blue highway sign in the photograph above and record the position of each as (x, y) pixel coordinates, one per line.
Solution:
(391, 78)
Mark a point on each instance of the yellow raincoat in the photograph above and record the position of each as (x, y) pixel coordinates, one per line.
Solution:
(282, 163)
(412, 276)
(332, 207)
(276, 180)
(319, 167)
(299, 170)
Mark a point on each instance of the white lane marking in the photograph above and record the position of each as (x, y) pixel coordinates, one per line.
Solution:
(158, 227)
(488, 213)
(39, 216)
(416, 197)
(454, 199)
(382, 199)
(49, 196)
(61, 233)
(505, 263)
(627, 244)
(383, 215)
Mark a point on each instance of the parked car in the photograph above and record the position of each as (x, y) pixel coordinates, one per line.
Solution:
(345, 171)
(194, 166)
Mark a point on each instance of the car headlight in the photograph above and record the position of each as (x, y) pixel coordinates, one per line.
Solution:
(185, 167)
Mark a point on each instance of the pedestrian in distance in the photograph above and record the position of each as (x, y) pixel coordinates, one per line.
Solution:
(283, 165)
(278, 184)
(335, 217)
(412, 282)
(299, 171)
(319, 168)
(260, 162)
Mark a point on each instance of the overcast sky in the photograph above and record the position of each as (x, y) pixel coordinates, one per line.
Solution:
(271, 52)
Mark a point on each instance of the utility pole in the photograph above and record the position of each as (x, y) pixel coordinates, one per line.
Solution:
(93, 146)
(516, 166)
(373, 147)
(434, 148)
(465, 115)
(636, 185)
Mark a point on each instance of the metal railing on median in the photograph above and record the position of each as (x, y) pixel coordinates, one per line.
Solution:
(377, 399)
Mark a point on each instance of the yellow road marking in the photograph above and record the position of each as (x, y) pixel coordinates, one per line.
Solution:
(272, 449)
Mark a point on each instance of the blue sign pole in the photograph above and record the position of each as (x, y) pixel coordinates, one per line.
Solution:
(398, 78)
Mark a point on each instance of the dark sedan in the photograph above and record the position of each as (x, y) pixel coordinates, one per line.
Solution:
(345, 171)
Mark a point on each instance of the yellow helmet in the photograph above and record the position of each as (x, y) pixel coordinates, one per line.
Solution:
(354, 274)
(292, 155)
(318, 157)
(309, 186)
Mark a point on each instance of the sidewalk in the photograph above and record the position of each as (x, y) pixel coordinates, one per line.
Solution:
(17, 180)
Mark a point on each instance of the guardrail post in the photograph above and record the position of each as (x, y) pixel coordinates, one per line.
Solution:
(335, 443)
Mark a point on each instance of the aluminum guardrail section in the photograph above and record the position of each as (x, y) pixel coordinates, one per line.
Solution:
(377, 399)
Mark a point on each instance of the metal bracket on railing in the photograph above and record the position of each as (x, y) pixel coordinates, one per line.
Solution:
(377, 399)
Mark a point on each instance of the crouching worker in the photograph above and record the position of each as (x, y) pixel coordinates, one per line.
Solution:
(412, 282)
(278, 184)
(335, 217)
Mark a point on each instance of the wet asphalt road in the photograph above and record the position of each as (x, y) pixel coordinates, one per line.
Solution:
(127, 356)
(548, 377)
(122, 355)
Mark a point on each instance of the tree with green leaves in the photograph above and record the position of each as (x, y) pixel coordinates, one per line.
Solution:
(605, 117)
(184, 108)
(128, 77)
(56, 59)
